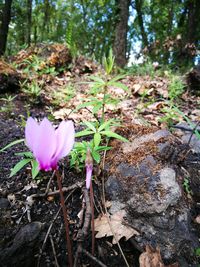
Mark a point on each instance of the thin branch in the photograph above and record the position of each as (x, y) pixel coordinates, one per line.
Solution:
(93, 258)
(54, 251)
(92, 221)
(64, 209)
(50, 227)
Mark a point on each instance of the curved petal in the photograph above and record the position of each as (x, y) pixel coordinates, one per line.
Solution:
(31, 133)
(45, 147)
(88, 176)
(65, 135)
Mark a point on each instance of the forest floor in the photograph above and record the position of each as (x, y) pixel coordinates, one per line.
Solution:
(145, 103)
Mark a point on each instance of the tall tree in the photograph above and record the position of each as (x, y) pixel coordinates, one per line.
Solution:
(6, 16)
(29, 22)
(120, 42)
(138, 7)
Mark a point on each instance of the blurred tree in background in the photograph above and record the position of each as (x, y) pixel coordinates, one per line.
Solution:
(165, 31)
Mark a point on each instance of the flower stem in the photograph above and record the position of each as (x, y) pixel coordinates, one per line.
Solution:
(62, 201)
(92, 211)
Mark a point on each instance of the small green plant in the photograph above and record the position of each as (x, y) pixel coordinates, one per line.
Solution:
(100, 85)
(176, 87)
(63, 94)
(28, 158)
(191, 124)
(197, 252)
(170, 115)
(142, 69)
(32, 89)
(79, 152)
(100, 130)
(8, 105)
(186, 185)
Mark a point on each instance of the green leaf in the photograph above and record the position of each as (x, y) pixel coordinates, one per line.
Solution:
(96, 108)
(85, 104)
(197, 252)
(96, 79)
(90, 126)
(117, 78)
(97, 139)
(102, 148)
(35, 168)
(119, 85)
(83, 133)
(104, 125)
(114, 135)
(19, 166)
(96, 156)
(12, 144)
(26, 154)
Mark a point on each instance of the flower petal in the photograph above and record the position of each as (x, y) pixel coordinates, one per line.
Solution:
(31, 133)
(65, 135)
(88, 176)
(46, 144)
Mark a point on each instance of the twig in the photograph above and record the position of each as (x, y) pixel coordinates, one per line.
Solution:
(84, 230)
(93, 258)
(64, 190)
(193, 131)
(54, 251)
(49, 229)
(187, 129)
(49, 183)
(92, 213)
(62, 201)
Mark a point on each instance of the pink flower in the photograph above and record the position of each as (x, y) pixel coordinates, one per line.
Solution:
(47, 144)
(89, 168)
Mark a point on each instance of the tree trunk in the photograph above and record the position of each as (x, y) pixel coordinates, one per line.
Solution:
(29, 22)
(193, 21)
(120, 42)
(45, 32)
(6, 16)
(138, 7)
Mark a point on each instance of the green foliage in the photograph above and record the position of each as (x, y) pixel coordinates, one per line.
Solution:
(176, 87)
(197, 252)
(8, 104)
(100, 132)
(27, 158)
(100, 129)
(63, 94)
(12, 144)
(170, 115)
(78, 153)
(142, 69)
(186, 186)
(32, 89)
(191, 124)
(100, 85)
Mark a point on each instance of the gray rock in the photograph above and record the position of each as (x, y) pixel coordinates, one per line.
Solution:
(4, 203)
(147, 186)
(21, 250)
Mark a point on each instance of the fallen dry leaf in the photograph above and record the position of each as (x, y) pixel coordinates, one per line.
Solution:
(152, 258)
(115, 227)
(197, 219)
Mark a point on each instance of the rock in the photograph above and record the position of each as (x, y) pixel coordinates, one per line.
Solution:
(4, 203)
(9, 78)
(146, 181)
(21, 250)
(185, 135)
(193, 80)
